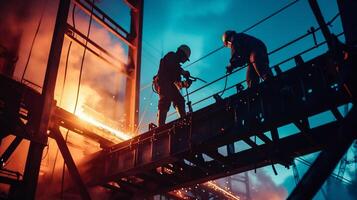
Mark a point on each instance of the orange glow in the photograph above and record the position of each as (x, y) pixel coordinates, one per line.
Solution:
(91, 120)
(226, 193)
(180, 194)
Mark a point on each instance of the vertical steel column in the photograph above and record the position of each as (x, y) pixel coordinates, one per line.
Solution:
(34, 156)
(348, 18)
(132, 95)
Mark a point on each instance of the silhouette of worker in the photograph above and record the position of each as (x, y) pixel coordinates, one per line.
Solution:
(250, 50)
(168, 82)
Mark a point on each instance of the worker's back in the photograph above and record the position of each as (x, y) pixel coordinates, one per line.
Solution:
(170, 69)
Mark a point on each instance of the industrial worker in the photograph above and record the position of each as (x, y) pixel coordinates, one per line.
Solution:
(168, 82)
(246, 49)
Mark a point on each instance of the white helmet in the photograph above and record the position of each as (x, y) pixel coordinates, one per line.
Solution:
(186, 50)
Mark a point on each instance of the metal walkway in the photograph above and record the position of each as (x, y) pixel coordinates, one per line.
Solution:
(186, 151)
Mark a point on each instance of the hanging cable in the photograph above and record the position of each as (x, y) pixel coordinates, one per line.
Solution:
(65, 72)
(68, 53)
(280, 63)
(333, 19)
(254, 25)
(64, 82)
(218, 79)
(274, 51)
(82, 61)
(145, 111)
(205, 56)
(269, 16)
(245, 30)
(189, 105)
(33, 40)
(283, 46)
(225, 86)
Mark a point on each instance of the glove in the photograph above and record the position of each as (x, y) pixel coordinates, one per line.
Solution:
(188, 83)
(185, 74)
(229, 69)
(183, 84)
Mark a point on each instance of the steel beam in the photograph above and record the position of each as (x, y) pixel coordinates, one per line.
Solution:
(73, 171)
(327, 160)
(6, 155)
(133, 82)
(104, 20)
(34, 156)
(63, 118)
(292, 146)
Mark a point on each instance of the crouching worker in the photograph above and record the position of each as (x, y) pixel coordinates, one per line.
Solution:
(246, 49)
(168, 82)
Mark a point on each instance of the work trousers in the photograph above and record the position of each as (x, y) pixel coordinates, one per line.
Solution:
(169, 94)
(258, 66)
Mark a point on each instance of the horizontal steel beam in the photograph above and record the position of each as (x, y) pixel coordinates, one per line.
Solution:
(104, 20)
(16, 97)
(74, 33)
(65, 119)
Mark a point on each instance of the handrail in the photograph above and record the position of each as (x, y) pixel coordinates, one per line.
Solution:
(282, 62)
(270, 53)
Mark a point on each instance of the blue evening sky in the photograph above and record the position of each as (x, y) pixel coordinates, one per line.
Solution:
(200, 24)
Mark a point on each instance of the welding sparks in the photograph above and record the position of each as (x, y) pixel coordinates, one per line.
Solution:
(91, 120)
(214, 186)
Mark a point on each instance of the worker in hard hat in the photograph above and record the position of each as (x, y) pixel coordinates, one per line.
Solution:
(168, 82)
(246, 49)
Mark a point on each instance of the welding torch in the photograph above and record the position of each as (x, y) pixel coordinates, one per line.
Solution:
(188, 77)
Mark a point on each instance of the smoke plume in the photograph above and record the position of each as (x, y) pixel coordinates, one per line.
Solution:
(101, 88)
(264, 188)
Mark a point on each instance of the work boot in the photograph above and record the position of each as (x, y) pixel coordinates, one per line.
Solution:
(181, 111)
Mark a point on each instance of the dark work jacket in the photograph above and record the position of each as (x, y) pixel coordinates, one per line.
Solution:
(242, 46)
(169, 70)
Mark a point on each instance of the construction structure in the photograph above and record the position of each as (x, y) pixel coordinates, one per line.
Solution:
(185, 152)
(38, 109)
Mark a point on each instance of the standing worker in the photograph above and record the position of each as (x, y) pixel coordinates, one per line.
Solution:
(168, 82)
(250, 50)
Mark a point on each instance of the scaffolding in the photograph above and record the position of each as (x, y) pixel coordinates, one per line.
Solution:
(40, 112)
(173, 156)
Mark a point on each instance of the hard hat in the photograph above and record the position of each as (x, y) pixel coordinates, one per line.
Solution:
(186, 50)
(226, 37)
